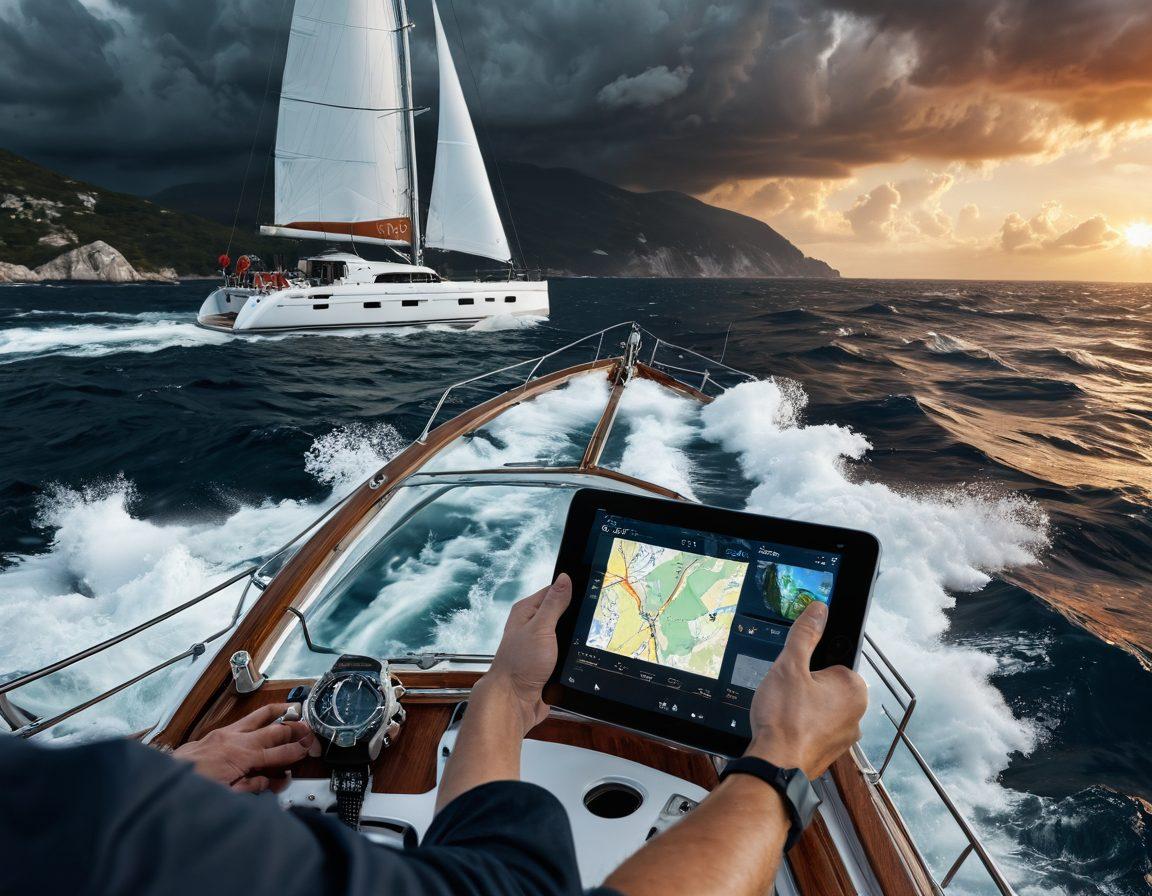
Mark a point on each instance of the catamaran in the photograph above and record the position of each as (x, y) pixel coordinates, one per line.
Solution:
(345, 172)
(367, 577)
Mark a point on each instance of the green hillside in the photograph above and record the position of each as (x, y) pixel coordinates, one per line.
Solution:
(36, 203)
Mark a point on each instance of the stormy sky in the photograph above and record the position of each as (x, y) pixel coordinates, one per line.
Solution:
(846, 121)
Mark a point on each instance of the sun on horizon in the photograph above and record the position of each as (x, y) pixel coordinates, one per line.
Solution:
(1138, 235)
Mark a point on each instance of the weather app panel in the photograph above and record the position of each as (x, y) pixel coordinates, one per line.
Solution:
(687, 623)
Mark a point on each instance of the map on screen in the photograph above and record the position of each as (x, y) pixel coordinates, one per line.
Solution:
(667, 606)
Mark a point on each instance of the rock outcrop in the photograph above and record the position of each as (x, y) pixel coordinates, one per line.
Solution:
(17, 273)
(97, 262)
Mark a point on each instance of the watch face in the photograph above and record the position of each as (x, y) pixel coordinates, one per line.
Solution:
(345, 706)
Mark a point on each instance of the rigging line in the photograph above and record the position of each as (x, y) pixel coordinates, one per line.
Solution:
(255, 138)
(297, 99)
(484, 128)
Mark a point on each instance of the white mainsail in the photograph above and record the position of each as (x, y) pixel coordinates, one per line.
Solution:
(462, 215)
(342, 144)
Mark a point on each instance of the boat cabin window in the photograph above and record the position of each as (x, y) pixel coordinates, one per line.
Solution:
(404, 277)
(325, 271)
(466, 301)
(509, 298)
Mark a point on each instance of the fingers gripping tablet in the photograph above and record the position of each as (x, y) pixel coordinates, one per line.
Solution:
(679, 610)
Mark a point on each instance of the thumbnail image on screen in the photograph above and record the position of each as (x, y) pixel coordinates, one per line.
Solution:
(789, 589)
(667, 606)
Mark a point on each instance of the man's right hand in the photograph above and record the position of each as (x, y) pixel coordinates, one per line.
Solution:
(803, 719)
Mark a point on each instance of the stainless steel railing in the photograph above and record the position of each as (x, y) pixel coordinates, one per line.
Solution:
(905, 698)
(708, 374)
(21, 722)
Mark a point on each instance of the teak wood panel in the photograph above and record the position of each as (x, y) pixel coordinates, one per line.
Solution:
(816, 864)
(886, 844)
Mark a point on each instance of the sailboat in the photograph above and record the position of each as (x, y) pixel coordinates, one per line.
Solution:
(345, 172)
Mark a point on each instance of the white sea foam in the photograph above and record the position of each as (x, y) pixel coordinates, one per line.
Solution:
(107, 570)
(500, 322)
(111, 332)
(95, 340)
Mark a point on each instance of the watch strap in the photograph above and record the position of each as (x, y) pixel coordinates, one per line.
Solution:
(800, 800)
(350, 783)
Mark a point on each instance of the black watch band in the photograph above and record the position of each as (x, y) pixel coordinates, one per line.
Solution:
(350, 783)
(800, 799)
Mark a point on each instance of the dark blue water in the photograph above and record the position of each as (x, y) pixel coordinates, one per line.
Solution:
(132, 442)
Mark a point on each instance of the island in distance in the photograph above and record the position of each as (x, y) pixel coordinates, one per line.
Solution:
(568, 224)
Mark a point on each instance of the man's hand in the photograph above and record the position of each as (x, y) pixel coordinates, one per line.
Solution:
(507, 702)
(527, 652)
(240, 755)
(803, 719)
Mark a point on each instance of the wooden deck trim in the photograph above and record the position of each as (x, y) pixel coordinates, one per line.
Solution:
(603, 426)
(886, 842)
(264, 619)
(816, 864)
(670, 382)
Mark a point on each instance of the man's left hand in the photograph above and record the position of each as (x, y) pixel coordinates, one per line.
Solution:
(246, 754)
(527, 652)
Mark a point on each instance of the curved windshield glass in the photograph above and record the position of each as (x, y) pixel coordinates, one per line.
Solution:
(436, 571)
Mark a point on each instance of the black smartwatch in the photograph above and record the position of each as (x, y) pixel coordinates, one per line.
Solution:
(354, 711)
(799, 796)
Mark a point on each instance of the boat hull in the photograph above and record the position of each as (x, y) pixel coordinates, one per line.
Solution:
(354, 306)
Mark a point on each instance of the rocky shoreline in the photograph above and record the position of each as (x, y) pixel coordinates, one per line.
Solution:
(94, 262)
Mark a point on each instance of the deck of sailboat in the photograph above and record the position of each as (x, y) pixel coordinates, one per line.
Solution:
(858, 843)
(223, 322)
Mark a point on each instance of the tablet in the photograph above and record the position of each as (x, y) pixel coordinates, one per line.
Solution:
(679, 610)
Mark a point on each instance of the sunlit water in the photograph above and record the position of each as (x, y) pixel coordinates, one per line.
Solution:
(995, 436)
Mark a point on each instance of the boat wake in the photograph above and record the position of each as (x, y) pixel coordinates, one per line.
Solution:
(148, 332)
(91, 334)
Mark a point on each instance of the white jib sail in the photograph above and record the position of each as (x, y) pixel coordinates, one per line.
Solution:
(341, 155)
(462, 215)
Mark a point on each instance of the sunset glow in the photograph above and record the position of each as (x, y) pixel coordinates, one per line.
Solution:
(1139, 235)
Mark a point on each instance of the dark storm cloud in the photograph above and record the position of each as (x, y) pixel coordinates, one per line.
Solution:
(655, 93)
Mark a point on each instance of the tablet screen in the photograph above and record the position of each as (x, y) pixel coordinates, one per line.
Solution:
(686, 623)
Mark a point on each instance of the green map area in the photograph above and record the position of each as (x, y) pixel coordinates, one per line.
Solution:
(667, 606)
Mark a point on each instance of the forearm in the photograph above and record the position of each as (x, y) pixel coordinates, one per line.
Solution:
(731, 844)
(488, 745)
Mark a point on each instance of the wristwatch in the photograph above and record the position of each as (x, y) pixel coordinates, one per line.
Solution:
(354, 711)
(799, 796)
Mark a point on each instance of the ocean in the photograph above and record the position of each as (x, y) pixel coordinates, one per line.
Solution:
(997, 436)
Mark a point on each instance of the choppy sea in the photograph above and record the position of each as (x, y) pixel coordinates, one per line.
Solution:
(997, 436)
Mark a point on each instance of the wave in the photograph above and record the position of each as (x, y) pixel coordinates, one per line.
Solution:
(875, 308)
(944, 344)
(500, 322)
(108, 569)
(95, 340)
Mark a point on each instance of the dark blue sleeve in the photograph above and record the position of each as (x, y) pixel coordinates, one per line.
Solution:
(118, 817)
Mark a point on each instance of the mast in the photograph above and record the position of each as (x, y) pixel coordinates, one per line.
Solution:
(410, 124)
